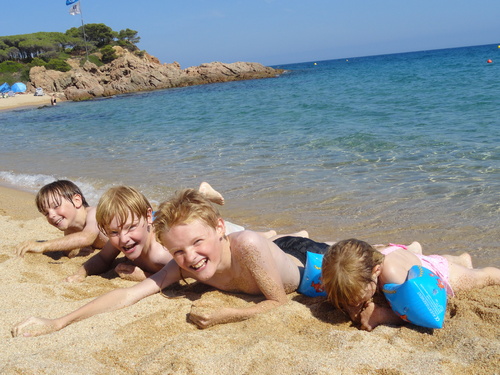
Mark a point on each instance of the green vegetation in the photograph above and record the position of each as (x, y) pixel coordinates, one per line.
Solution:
(19, 53)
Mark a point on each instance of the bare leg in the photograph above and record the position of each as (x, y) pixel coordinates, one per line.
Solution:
(463, 260)
(269, 234)
(465, 278)
(302, 233)
(211, 194)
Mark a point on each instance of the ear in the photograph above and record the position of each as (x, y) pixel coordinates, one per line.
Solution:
(221, 227)
(376, 271)
(149, 216)
(77, 200)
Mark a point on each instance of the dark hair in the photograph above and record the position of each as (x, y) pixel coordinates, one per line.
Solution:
(57, 190)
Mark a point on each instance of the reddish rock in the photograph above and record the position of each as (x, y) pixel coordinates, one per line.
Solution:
(131, 73)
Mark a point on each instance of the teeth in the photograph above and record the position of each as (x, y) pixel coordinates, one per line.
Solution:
(200, 264)
(58, 221)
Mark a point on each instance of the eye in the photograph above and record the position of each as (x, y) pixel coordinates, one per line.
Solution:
(112, 233)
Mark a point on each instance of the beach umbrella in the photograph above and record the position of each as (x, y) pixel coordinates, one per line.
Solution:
(5, 87)
(18, 87)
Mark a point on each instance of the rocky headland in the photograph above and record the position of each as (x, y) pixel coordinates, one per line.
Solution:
(132, 73)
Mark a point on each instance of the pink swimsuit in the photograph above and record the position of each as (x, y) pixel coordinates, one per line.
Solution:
(435, 263)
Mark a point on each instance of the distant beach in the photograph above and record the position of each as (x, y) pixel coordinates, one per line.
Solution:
(24, 100)
(305, 336)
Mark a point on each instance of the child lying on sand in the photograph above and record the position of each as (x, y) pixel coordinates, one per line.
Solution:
(65, 208)
(194, 233)
(126, 217)
(353, 271)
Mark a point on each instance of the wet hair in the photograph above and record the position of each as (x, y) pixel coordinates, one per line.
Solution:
(120, 202)
(347, 269)
(56, 191)
(185, 207)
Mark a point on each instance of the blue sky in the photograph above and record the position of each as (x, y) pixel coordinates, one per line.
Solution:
(271, 32)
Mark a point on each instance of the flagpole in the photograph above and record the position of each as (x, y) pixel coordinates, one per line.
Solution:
(83, 30)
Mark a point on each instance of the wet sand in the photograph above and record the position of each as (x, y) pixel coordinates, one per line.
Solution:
(153, 336)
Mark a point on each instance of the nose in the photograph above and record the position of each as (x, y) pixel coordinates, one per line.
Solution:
(124, 237)
(51, 213)
(189, 255)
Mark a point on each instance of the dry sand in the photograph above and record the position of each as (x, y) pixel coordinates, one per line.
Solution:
(25, 100)
(306, 336)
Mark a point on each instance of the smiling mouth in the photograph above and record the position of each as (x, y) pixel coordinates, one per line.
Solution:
(200, 264)
(130, 248)
(58, 221)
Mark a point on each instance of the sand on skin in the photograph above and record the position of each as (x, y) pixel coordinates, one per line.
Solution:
(153, 337)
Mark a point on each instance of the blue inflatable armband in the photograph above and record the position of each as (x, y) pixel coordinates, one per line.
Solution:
(420, 300)
(311, 284)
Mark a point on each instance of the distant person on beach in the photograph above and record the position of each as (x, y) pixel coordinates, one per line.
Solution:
(194, 233)
(353, 271)
(126, 217)
(65, 208)
(53, 100)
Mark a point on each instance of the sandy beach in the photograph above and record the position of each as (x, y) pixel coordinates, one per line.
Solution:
(25, 100)
(153, 336)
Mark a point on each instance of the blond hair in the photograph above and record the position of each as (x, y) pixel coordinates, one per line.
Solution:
(347, 269)
(120, 202)
(185, 207)
(57, 190)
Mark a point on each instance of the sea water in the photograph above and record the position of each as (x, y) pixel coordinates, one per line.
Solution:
(390, 148)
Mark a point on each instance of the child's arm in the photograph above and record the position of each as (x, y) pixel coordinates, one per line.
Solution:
(99, 263)
(71, 241)
(114, 300)
(254, 256)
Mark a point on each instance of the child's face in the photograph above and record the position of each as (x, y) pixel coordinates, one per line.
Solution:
(196, 247)
(60, 212)
(132, 237)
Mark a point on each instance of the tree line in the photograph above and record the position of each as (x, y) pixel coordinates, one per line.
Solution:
(51, 49)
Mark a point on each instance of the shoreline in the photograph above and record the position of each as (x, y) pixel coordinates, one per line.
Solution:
(25, 100)
(304, 336)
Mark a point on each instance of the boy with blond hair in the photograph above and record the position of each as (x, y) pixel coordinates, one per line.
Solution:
(194, 233)
(125, 216)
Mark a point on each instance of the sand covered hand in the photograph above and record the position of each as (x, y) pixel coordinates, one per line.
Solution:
(34, 326)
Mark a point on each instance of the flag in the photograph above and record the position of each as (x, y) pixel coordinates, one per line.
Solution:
(75, 9)
(69, 2)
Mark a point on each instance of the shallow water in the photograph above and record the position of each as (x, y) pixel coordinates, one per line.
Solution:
(389, 148)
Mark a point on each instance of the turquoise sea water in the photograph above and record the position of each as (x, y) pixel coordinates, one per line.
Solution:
(386, 148)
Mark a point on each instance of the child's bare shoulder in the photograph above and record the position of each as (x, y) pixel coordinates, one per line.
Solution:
(244, 242)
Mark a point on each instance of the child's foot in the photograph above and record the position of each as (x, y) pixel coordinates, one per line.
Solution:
(210, 193)
(130, 272)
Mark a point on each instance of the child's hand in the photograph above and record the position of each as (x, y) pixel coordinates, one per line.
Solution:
(28, 246)
(366, 316)
(41, 327)
(201, 313)
(76, 278)
(207, 314)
